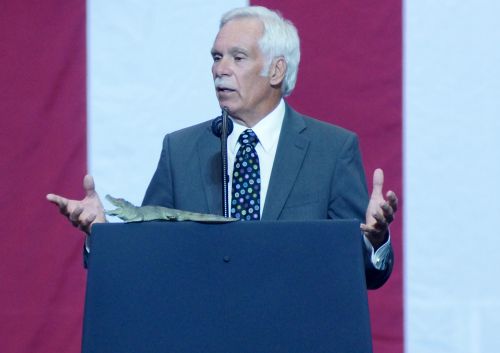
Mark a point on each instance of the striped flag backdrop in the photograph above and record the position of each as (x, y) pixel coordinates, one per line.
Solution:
(94, 86)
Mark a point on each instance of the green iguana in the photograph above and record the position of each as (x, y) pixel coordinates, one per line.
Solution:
(130, 213)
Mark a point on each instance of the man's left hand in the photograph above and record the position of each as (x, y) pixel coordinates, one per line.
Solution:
(380, 212)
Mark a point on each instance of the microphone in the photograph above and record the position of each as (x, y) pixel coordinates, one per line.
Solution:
(217, 124)
(222, 126)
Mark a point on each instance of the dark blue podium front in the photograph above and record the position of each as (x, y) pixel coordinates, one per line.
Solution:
(238, 287)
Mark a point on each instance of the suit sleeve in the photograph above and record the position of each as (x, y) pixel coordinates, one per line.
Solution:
(349, 199)
(160, 189)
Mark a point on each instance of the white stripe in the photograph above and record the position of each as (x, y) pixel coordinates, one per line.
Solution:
(452, 175)
(149, 73)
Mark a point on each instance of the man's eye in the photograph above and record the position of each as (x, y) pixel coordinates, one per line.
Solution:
(216, 57)
(238, 58)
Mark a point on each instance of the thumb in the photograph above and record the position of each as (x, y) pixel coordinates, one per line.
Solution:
(88, 185)
(378, 182)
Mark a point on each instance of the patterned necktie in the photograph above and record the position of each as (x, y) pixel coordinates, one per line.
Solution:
(245, 202)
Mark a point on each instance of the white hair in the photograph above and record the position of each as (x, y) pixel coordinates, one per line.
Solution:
(280, 39)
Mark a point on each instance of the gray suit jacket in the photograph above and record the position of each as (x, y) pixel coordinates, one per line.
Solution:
(317, 174)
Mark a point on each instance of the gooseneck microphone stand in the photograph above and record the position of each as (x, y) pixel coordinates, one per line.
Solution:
(222, 127)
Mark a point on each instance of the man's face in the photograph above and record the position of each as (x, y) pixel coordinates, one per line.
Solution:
(237, 68)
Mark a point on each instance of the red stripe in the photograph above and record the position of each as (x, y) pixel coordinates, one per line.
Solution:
(43, 149)
(351, 75)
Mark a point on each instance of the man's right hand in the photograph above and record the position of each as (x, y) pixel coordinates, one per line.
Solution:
(82, 213)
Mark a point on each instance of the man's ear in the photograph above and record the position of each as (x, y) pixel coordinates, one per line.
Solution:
(277, 71)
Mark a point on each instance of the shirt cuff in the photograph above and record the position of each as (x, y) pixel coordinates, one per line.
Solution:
(87, 243)
(379, 258)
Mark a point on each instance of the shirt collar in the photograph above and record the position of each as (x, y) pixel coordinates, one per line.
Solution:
(267, 130)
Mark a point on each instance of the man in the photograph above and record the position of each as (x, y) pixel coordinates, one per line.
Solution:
(286, 165)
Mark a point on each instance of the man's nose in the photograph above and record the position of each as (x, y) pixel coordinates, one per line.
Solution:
(222, 67)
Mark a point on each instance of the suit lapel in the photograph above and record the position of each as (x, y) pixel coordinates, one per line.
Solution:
(210, 171)
(292, 148)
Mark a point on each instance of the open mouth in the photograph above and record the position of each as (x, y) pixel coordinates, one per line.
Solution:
(225, 89)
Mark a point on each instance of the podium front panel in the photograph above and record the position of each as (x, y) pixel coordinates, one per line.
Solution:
(237, 287)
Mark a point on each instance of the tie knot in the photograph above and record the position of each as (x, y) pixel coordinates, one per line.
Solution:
(248, 137)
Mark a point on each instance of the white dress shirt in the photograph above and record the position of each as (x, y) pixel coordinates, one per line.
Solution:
(268, 132)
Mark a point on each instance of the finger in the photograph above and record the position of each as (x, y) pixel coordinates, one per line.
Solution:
(75, 215)
(88, 185)
(388, 212)
(378, 182)
(366, 228)
(86, 221)
(369, 230)
(381, 223)
(60, 201)
(392, 199)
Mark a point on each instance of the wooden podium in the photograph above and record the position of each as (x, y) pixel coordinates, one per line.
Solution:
(256, 287)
